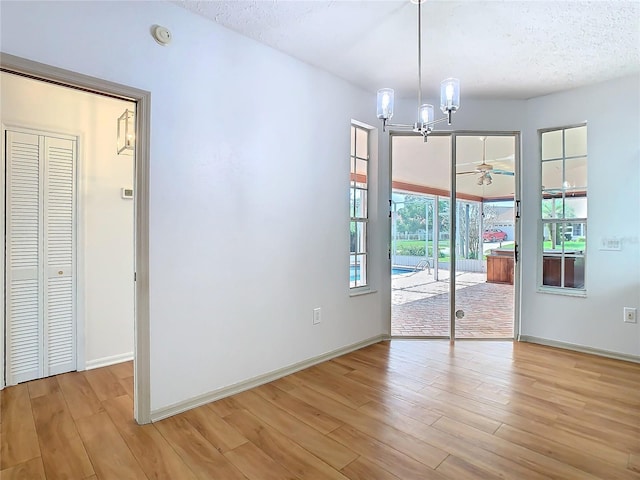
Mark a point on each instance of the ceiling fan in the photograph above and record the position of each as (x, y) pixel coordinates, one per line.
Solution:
(484, 169)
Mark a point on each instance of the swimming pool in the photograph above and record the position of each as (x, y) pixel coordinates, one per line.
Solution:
(401, 270)
(354, 275)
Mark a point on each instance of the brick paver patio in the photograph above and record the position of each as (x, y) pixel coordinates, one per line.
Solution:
(420, 306)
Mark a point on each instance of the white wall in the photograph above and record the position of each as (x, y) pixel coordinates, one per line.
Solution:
(481, 115)
(105, 220)
(612, 113)
(249, 188)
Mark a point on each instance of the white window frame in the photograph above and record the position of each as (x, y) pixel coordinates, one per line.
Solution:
(559, 221)
(359, 256)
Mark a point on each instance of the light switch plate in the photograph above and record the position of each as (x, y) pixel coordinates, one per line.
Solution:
(611, 243)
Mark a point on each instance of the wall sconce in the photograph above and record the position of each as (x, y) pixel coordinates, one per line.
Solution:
(127, 133)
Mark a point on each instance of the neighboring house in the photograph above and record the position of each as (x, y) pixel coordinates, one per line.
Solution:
(249, 175)
(503, 218)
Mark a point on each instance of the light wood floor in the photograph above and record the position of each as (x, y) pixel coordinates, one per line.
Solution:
(393, 411)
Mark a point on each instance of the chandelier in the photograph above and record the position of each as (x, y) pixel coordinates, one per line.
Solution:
(449, 98)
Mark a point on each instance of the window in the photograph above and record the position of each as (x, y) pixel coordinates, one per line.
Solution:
(564, 207)
(359, 182)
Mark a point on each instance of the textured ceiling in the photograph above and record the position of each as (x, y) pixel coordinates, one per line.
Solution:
(507, 49)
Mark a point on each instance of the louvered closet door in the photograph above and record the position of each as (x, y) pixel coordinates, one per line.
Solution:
(40, 256)
(59, 278)
(23, 295)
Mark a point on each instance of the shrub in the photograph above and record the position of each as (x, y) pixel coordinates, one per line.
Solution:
(414, 250)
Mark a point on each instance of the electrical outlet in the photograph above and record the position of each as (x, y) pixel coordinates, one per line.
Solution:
(316, 316)
(630, 315)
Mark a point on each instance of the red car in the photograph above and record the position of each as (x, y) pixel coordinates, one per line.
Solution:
(494, 235)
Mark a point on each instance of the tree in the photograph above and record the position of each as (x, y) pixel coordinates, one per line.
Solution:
(555, 208)
(412, 217)
(443, 210)
(468, 230)
(489, 215)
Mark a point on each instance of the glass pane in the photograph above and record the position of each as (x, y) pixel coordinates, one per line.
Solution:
(485, 229)
(468, 232)
(352, 237)
(574, 271)
(552, 237)
(419, 286)
(552, 144)
(362, 238)
(575, 207)
(552, 175)
(360, 203)
(429, 230)
(552, 207)
(358, 237)
(353, 141)
(575, 141)
(565, 231)
(552, 270)
(361, 173)
(352, 203)
(443, 240)
(354, 273)
(362, 140)
(575, 173)
(410, 222)
(352, 176)
(575, 238)
(362, 262)
(358, 270)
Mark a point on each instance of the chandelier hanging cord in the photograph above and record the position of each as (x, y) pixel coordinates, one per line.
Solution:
(419, 53)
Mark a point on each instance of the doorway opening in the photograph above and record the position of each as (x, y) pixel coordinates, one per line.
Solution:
(453, 269)
(138, 186)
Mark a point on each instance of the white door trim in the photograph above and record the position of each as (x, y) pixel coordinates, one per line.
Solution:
(2, 255)
(39, 71)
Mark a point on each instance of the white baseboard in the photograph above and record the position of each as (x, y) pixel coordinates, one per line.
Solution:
(200, 400)
(106, 361)
(580, 348)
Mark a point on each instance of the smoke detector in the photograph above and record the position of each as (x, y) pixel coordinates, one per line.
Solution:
(161, 34)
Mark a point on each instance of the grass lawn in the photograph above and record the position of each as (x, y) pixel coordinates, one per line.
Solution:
(416, 247)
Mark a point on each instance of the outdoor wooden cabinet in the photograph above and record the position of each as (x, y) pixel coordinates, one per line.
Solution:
(573, 271)
(500, 266)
